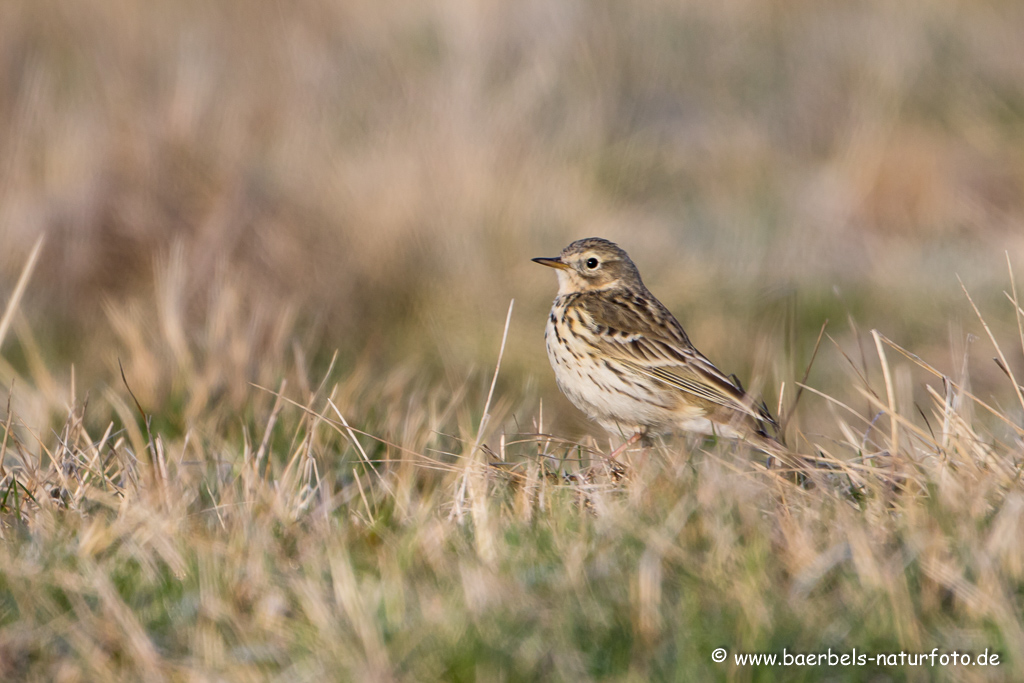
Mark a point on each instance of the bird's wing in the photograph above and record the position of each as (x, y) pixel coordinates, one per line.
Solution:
(636, 330)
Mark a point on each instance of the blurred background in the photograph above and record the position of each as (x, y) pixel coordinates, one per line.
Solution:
(249, 183)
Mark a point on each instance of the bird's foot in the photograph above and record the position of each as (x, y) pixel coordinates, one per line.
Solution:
(629, 442)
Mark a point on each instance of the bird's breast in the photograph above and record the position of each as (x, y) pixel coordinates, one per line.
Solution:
(599, 385)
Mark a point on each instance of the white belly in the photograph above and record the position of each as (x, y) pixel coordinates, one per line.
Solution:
(612, 394)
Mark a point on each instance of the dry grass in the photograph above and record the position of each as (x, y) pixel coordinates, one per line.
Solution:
(297, 230)
(348, 527)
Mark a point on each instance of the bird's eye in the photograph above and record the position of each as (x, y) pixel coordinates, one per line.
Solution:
(591, 263)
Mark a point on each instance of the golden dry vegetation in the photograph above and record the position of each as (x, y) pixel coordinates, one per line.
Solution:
(297, 227)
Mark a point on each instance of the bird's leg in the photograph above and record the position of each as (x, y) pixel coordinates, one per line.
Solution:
(629, 442)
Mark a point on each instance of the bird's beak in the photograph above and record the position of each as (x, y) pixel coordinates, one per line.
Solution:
(552, 262)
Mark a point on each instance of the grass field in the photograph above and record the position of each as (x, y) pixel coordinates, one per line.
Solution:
(258, 266)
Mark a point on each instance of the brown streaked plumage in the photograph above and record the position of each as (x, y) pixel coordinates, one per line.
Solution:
(622, 358)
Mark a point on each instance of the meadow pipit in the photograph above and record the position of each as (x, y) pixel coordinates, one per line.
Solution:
(624, 360)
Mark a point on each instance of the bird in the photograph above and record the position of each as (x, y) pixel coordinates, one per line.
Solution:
(624, 360)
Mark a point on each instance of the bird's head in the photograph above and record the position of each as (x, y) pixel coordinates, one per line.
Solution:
(592, 264)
